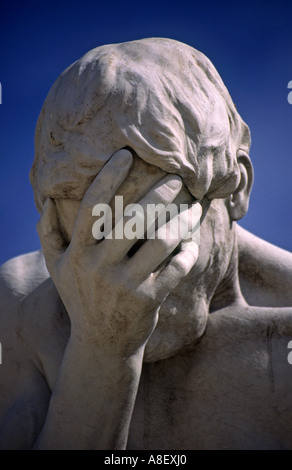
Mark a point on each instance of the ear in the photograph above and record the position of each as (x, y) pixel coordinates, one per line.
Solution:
(237, 203)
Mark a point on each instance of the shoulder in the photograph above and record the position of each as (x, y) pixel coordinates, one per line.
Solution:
(252, 322)
(265, 271)
(21, 275)
(34, 324)
(23, 391)
(254, 342)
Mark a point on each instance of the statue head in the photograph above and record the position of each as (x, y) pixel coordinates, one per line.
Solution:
(166, 102)
(160, 97)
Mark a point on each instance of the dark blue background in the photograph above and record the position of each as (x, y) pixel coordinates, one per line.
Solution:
(250, 43)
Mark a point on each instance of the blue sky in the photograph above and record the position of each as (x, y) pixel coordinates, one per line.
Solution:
(250, 43)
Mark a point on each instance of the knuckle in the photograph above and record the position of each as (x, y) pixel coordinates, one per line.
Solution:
(127, 289)
(123, 284)
(179, 267)
(161, 244)
(146, 296)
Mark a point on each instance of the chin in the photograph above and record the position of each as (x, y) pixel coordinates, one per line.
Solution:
(182, 322)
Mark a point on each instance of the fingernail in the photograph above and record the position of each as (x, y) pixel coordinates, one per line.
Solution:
(122, 157)
(174, 182)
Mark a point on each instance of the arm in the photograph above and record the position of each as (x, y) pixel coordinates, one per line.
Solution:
(24, 393)
(113, 302)
(92, 402)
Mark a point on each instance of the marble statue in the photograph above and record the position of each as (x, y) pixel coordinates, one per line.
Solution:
(144, 343)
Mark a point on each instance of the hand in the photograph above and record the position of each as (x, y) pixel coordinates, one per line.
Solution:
(112, 299)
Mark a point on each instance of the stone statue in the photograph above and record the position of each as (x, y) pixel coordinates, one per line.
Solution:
(116, 343)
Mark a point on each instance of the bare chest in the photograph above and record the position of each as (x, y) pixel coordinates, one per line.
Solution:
(190, 403)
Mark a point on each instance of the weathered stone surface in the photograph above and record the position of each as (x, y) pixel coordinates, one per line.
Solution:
(152, 343)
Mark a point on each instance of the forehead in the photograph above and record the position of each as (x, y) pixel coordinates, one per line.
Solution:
(133, 95)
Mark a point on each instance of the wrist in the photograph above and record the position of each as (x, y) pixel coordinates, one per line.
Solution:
(114, 345)
(91, 348)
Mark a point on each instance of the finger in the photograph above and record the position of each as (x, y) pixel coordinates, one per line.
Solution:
(123, 238)
(183, 230)
(99, 195)
(51, 237)
(177, 269)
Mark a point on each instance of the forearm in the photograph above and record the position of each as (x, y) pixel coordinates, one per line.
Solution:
(93, 400)
(113, 301)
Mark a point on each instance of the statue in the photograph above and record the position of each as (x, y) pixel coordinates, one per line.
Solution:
(145, 343)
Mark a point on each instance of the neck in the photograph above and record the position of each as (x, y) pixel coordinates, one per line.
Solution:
(228, 291)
